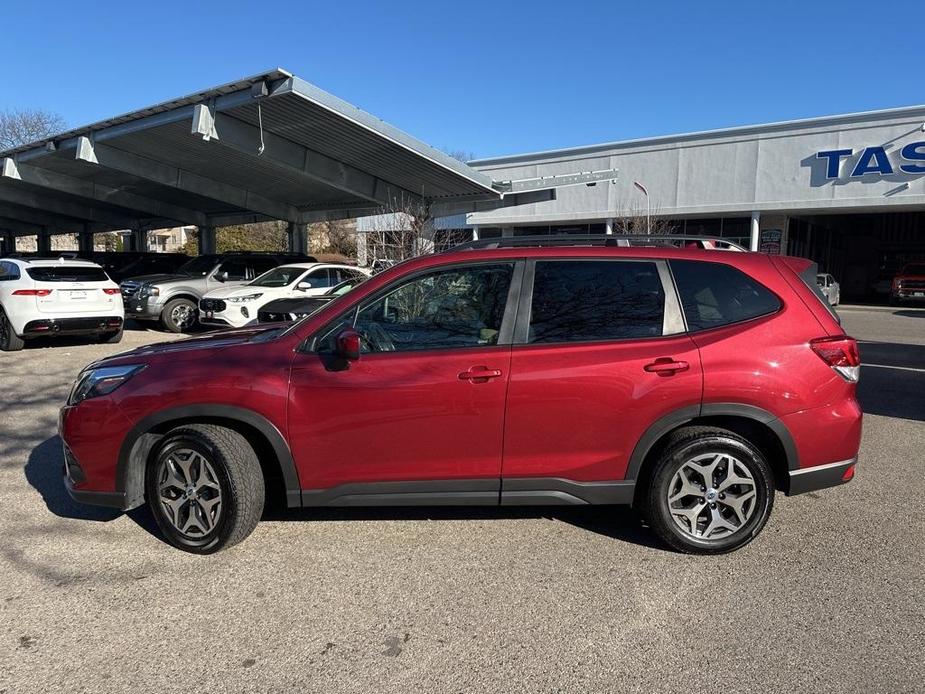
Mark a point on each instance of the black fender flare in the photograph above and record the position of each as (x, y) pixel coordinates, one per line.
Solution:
(140, 441)
(674, 419)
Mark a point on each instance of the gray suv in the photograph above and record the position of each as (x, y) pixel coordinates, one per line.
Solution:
(173, 299)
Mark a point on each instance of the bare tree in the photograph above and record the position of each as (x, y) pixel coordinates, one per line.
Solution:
(24, 126)
(463, 155)
(338, 237)
(635, 221)
(400, 230)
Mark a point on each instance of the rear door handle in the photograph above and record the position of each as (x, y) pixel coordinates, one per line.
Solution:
(666, 366)
(479, 374)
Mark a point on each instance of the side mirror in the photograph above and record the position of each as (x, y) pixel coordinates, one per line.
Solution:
(348, 344)
(221, 276)
(302, 286)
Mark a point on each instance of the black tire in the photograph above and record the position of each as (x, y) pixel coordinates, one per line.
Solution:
(9, 340)
(111, 338)
(169, 317)
(686, 445)
(237, 474)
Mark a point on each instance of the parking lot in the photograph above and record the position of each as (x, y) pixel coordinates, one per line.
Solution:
(828, 599)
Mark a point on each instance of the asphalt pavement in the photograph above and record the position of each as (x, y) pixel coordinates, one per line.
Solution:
(828, 599)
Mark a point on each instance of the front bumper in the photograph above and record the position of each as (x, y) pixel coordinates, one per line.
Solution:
(142, 309)
(821, 476)
(94, 325)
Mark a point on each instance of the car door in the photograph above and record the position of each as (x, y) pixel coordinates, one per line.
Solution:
(423, 407)
(600, 354)
(319, 281)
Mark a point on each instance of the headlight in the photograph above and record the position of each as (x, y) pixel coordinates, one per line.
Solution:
(95, 382)
(148, 291)
(244, 299)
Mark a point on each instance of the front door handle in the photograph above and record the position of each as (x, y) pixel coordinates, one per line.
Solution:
(666, 366)
(479, 374)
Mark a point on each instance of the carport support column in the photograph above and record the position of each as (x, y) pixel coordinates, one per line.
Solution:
(756, 230)
(135, 240)
(206, 238)
(298, 237)
(7, 241)
(85, 241)
(43, 242)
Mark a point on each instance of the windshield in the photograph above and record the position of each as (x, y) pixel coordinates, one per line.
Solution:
(820, 280)
(914, 269)
(199, 267)
(279, 277)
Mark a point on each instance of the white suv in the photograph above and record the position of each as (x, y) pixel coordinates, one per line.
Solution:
(57, 297)
(238, 306)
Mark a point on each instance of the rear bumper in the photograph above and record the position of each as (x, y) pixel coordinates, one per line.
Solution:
(72, 326)
(822, 476)
(108, 499)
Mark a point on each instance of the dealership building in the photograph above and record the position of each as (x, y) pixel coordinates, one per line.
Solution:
(847, 191)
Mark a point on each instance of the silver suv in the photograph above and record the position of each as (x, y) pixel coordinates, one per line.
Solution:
(173, 299)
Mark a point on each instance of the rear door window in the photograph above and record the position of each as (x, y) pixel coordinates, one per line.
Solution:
(715, 294)
(588, 300)
(67, 273)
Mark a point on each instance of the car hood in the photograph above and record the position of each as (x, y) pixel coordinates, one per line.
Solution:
(200, 346)
(241, 290)
(157, 279)
(298, 304)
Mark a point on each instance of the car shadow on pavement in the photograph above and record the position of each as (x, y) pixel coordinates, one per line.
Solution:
(615, 522)
(887, 386)
(910, 314)
(44, 471)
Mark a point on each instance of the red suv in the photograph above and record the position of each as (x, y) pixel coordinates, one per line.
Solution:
(689, 383)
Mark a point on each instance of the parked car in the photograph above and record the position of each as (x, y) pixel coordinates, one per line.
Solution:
(56, 297)
(173, 298)
(288, 310)
(145, 264)
(829, 287)
(689, 383)
(909, 284)
(238, 306)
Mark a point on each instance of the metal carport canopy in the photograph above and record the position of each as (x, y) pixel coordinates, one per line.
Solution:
(268, 147)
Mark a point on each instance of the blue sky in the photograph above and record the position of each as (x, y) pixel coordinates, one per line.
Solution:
(486, 77)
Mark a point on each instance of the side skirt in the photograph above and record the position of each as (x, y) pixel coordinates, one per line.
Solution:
(533, 491)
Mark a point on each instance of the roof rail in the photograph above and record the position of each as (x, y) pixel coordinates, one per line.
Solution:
(615, 240)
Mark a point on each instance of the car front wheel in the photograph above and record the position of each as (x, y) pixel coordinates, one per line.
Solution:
(205, 488)
(179, 315)
(711, 491)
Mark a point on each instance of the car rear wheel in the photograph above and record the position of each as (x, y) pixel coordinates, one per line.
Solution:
(205, 488)
(179, 315)
(9, 340)
(711, 491)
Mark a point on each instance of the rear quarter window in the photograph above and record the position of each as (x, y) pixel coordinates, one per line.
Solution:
(715, 294)
(65, 273)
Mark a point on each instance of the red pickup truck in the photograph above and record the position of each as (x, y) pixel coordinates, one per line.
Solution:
(909, 284)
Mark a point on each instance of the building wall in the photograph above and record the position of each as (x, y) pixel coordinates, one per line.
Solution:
(762, 168)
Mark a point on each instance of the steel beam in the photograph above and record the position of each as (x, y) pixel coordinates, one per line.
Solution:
(20, 195)
(293, 158)
(445, 209)
(62, 183)
(37, 218)
(187, 181)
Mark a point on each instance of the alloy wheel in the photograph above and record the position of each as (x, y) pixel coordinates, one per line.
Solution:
(182, 316)
(189, 492)
(712, 496)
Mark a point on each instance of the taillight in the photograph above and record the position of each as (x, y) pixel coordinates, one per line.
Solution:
(897, 283)
(32, 292)
(109, 291)
(841, 353)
